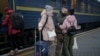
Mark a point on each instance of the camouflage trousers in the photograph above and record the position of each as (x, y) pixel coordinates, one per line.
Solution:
(68, 45)
(59, 45)
(64, 48)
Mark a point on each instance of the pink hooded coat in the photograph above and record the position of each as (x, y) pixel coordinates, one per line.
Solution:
(48, 27)
(67, 23)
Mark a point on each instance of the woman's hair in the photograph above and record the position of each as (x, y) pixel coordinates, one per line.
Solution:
(71, 11)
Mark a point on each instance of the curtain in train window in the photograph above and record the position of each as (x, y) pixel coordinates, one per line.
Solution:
(82, 6)
(73, 4)
(53, 3)
(89, 8)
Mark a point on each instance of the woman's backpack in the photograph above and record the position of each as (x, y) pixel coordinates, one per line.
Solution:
(71, 30)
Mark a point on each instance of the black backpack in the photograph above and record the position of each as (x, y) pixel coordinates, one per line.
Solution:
(72, 30)
(17, 21)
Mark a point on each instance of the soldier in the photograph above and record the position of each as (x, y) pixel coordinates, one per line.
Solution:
(60, 18)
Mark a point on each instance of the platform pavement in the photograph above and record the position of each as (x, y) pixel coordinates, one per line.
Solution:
(87, 44)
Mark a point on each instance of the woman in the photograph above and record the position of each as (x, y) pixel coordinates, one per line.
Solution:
(47, 13)
(68, 39)
(11, 31)
(49, 26)
(60, 18)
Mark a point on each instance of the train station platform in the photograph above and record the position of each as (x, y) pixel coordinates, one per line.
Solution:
(86, 44)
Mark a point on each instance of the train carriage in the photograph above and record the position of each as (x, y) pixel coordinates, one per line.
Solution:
(31, 10)
(87, 13)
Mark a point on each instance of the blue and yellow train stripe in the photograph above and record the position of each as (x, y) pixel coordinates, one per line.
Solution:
(25, 8)
(31, 9)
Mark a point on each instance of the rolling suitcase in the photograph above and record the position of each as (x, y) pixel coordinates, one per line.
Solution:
(41, 47)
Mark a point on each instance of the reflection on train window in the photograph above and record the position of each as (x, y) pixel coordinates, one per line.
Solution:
(89, 8)
(82, 6)
(53, 3)
(63, 2)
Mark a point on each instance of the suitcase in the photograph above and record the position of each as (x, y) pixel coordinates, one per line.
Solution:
(41, 47)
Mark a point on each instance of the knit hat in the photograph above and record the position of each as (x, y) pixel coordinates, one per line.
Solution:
(48, 7)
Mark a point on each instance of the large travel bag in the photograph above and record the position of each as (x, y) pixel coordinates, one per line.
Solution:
(41, 47)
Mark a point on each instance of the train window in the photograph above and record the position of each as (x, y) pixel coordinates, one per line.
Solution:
(82, 6)
(53, 3)
(89, 8)
(93, 9)
(63, 2)
(97, 10)
(73, 3)
(3, 4)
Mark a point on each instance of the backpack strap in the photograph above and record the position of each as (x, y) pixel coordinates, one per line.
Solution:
(45, 23)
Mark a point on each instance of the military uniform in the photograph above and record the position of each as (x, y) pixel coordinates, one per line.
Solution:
(60, 36)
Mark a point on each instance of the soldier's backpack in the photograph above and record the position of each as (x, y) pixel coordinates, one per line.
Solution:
(17, 21)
